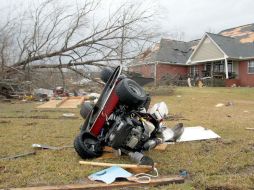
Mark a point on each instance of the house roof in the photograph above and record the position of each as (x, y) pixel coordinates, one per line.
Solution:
(244, 33)
(174, 51)
(237, 43)
(168, 51)
(232, 47)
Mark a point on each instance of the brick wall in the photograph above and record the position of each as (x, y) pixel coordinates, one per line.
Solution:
(164, 69)
(144, 70)
(245, 78)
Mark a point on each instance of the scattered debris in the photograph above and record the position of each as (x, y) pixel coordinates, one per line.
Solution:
(175, 117)
(250, 129)
(226, 104)
(109, 175)
(219, 105)
(68, 115)
(184, 173)
(18, 156)
(42, 92)
(229, 104)
(197, 133)
(40, 146)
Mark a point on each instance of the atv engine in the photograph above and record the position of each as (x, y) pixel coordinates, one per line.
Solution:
(129, 131)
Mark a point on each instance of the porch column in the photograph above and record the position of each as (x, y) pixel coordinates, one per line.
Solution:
(226, 67)
(211, 70)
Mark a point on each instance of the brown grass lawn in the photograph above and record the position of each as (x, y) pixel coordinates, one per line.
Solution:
(221, 164)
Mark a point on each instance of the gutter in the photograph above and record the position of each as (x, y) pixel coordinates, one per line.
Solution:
(157, 62)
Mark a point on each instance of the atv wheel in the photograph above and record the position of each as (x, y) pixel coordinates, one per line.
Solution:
(106, 74)
(87, 146)
(130, 92)
(86, 108)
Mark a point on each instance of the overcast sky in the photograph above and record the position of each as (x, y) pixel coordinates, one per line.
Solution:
(191, 18)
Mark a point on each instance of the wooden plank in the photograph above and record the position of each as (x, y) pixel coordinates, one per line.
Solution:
(64, 99)
(161, 147)
(165, 180)
(65, 102)
(70, 103)
(130, 167)
(73, 102)
(50, 104)
(252, 129)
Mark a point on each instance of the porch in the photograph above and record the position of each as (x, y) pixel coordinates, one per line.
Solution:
(221, 69)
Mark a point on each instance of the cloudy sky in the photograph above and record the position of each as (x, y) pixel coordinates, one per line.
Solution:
(187, 19)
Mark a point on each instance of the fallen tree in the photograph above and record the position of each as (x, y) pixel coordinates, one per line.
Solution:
(57, 35)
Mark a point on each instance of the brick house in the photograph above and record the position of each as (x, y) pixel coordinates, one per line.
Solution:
(228, 55)
(168, 57)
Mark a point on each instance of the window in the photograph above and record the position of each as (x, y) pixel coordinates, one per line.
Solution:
(219, 67)
(193, 71)
(251, 67)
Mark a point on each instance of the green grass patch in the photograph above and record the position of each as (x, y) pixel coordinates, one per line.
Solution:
(221, 164)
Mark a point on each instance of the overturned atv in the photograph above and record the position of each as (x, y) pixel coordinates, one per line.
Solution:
(120, 119)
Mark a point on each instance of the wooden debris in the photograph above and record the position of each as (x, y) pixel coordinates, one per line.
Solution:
(65, 102)
(116, 185)
(107, 155)
(130, 167)
(252, 129)
(161, 147)
(18, 156)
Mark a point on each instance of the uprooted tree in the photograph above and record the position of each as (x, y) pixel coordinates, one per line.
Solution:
(53, 34)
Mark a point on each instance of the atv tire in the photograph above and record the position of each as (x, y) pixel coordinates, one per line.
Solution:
(87, 146)
(85, 109)
(106, 74)
(130, 93)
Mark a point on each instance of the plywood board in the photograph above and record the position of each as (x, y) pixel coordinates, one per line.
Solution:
(51, 104)
(65, 102)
